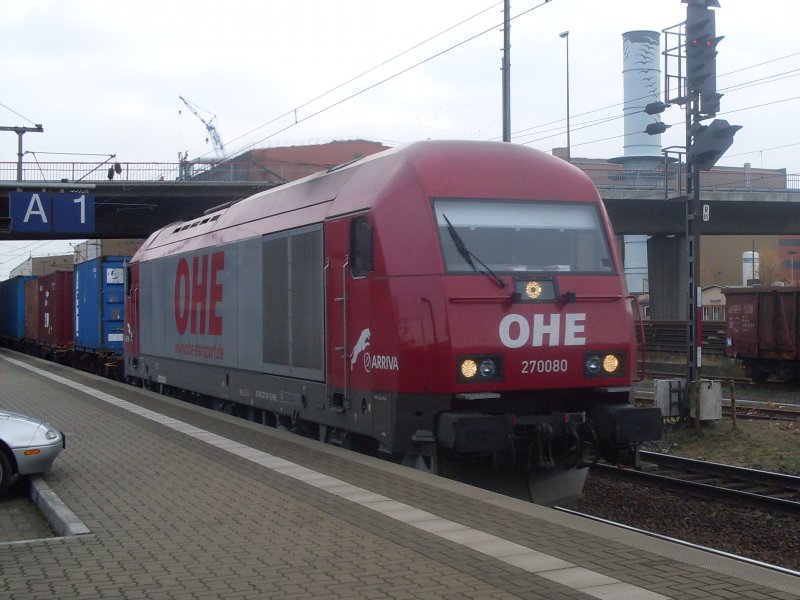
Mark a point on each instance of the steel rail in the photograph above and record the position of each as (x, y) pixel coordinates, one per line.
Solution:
(758, 489)
(745, 409)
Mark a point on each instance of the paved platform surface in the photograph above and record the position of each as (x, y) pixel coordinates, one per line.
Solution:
(179, 502)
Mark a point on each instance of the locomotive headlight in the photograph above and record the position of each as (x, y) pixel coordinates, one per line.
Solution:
(469, 368)
(610, 363)
(488, 368)
(533, 289)
(477, 368)
(541, 289)
(593, 364)
(604, 364)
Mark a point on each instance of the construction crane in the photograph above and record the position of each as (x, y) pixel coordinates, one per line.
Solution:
(219, 147)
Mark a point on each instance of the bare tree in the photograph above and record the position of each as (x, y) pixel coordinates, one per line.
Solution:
(770, 268)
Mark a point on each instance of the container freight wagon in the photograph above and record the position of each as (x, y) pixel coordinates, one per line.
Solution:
(451, 304)
(12, 310)
(99, 313)
(762, 331)
(55, 310)
(31, 314)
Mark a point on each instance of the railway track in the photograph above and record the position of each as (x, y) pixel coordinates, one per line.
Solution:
(764, 490)
(745, 409)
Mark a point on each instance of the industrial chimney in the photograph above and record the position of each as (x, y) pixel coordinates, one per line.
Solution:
(641, 71)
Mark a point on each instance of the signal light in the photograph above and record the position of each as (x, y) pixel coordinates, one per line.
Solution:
(701, 44)
(709, 143)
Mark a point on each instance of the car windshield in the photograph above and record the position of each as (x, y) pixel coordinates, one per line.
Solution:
(516, 236)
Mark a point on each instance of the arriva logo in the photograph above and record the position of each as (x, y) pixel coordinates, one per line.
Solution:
(378, 362)
(516, 330)
(361, 345)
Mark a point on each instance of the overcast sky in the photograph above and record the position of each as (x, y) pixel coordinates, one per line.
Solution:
(106, 79)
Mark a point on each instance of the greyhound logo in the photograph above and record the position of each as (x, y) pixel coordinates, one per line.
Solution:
(361, 345)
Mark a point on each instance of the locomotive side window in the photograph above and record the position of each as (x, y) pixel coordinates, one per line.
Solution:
(361, 247)
(519, 236)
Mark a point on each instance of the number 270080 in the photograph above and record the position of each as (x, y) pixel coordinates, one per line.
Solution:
(556, 365)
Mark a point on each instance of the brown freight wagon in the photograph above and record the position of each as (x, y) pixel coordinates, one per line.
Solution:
(32, 310)
(56, 309)
(762, 331)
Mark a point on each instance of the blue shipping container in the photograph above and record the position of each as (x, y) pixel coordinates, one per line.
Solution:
(100, 304)
(12, 307)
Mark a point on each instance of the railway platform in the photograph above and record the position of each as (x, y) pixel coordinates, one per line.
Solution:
(166, 500)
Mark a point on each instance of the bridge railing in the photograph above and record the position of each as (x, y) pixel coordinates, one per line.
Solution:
(674, 179)
(247, 171)
(231, 171)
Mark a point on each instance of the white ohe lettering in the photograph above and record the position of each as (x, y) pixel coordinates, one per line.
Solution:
(517, 331)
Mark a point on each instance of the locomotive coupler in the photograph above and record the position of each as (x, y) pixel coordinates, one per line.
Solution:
(540, 450)
(589, 450)
(573, 445)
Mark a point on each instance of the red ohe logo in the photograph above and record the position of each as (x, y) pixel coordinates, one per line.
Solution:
(198, 291)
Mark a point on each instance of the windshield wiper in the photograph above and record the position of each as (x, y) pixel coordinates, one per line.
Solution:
(468, 255)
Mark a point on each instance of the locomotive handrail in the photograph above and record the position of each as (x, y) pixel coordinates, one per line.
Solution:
(479, 299)
(345, 370)
(600, 298)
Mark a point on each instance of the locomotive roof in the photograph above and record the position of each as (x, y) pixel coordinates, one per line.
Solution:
(474, 169)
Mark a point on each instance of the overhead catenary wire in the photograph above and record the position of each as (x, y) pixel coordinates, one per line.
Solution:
(586, 125)
(394, 76)
(19, 115)
(518, 134)
(367, 72)
(599, 121)
(560, 131)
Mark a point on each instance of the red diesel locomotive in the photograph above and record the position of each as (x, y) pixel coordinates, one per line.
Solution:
(447, 302)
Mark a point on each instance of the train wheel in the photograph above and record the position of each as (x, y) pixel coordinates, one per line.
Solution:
(6, 474)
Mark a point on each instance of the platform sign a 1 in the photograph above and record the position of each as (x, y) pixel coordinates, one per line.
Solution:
(73, 212)
(43, 212)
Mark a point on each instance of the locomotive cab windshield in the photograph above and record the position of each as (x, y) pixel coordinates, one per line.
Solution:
(513, 237)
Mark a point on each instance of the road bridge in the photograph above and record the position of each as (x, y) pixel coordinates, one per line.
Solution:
(131, 200)
(139, 198)
(731, 212)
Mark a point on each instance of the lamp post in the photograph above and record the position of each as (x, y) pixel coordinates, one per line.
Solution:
(791, 258)
(565, 35)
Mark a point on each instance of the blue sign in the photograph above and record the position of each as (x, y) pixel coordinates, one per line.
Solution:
(73, 213)
(43, 212)
(31, 211)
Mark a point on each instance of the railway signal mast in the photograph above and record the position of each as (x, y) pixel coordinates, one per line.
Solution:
(705, 144)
